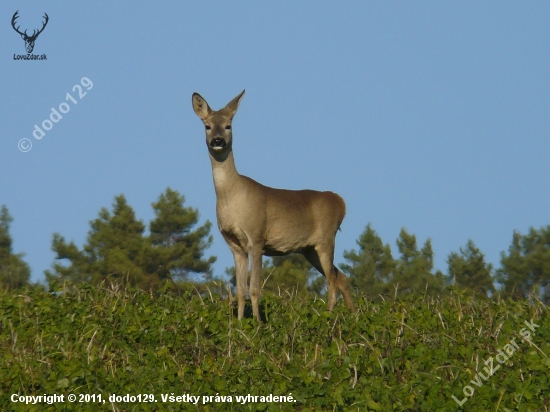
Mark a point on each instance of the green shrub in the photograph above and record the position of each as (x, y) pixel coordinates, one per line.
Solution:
(412, 354)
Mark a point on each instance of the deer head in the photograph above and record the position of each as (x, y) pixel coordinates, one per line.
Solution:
(29, 40)
(219, 136)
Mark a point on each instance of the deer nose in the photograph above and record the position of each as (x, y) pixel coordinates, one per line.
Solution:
(218, 142)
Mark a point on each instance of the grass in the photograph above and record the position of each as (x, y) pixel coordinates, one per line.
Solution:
(410, 354)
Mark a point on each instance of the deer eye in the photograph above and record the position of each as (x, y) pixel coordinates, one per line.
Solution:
(228, 127)
(207, 126)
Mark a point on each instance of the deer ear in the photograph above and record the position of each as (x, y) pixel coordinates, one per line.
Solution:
(233, 105)
(200, 106)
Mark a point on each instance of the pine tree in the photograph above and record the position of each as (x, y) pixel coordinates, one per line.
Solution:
(414, 267)
(14, 271)
(526, 267)
(5, 238)
(178, 250)
(469, 270)
(370, 269)
(115, 249)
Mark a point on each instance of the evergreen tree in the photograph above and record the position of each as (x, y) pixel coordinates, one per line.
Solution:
(178, 249)
(526, 267)
(469, 270)
(5, 238)
(370, 270)
(117, 250)
(14, 272)
(414, 267)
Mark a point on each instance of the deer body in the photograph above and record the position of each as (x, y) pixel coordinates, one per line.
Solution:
(257, 220)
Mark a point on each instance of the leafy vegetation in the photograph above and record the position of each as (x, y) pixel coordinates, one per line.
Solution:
(410, 354)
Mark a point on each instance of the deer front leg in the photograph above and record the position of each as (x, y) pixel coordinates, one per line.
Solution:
(255, 273)
(241, 274)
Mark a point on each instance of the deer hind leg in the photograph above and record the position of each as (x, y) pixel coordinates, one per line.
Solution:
(345, 289)
(241, 274)
(322, 261)
(255, 273)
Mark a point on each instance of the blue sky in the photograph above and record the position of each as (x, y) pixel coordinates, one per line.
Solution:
(433, 116)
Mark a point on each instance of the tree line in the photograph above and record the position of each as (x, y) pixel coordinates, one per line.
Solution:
(171, 255)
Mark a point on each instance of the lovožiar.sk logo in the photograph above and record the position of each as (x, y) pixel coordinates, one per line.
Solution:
(29, 39)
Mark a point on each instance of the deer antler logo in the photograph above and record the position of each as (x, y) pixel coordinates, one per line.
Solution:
(29, 40)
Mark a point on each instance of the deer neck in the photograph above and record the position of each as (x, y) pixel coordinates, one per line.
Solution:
(225, 173)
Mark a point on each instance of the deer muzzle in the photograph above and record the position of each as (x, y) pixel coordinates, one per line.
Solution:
(218, 143)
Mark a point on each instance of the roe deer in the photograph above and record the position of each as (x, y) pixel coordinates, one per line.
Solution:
(257, 220)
